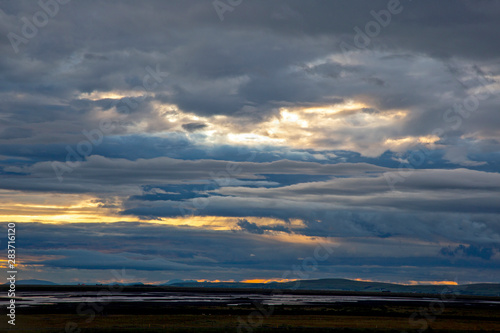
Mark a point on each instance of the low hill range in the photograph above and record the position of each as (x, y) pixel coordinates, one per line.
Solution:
(32, 282)
(478, 289)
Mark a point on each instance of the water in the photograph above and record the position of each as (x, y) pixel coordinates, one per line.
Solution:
(29, 299)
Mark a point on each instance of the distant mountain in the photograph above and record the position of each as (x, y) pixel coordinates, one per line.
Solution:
(175, 281)
(134, 284)
(480, 289)
(35, 282)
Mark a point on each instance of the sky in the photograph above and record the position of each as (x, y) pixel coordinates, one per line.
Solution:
(239, 140)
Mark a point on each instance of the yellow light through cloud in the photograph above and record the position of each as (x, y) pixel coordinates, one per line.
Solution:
(75, 208)
(98, 95)
(333, 126)
(406, 142)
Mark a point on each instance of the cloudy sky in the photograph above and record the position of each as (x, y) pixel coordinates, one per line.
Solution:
(251, 140)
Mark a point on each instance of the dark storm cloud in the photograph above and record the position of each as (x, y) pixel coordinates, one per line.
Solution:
(191, 127)
(255, 229)
(257, 56)
(86, 259)
(203, 254)
(140, 246)
(122, 172)
(15, 133)
(469, 251)
(175, 145)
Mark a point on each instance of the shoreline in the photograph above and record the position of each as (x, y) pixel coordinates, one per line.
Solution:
(216, 290)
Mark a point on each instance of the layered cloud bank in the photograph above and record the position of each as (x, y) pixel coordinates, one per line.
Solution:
(186, 140)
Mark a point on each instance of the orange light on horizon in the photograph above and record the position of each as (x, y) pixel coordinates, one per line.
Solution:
(267, 280)
(364, 280)
(434, 283)
(215, 281)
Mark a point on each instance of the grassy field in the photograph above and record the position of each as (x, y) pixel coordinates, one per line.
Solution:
(344, 318)
(416, 313)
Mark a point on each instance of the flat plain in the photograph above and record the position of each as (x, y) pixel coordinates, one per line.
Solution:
(371, 314)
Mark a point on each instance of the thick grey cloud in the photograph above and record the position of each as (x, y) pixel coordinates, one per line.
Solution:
(86, 259)
(255, 229)
(100, 172)
(138, 248)
(184, 90)
(470, 250)
(249, 58)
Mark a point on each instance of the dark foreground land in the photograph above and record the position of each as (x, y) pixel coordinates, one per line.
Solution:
(432, 315)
